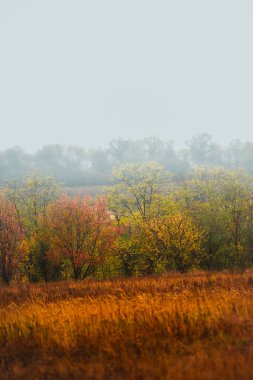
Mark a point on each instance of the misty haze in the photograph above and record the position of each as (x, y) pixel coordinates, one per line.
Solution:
(126, 190)
(87, 72)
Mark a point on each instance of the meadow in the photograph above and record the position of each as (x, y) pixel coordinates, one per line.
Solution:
(176, 326)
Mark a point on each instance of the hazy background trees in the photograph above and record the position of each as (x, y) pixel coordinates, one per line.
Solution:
(75, 166)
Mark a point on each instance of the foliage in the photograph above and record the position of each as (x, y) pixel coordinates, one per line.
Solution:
(137, 190)
(31, 196)
(10, 239)
(151, 222)
(220, 202)
(176, 240)
(80, 230)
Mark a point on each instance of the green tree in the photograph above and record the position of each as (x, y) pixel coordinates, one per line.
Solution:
(139, 189)
(219, 201)
(31, 196)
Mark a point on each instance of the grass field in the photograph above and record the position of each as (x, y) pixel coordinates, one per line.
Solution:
(194, 326)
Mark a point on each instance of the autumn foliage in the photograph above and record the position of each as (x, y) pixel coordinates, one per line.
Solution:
(10, 239)
(149, 222)
(80, 230)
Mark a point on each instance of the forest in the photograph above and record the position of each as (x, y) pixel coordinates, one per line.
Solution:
(150, 221)
(76, 166)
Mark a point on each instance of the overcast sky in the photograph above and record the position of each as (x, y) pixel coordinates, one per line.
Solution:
(88, 71)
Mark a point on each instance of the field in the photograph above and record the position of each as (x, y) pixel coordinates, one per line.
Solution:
(190, 326)
(91, 191)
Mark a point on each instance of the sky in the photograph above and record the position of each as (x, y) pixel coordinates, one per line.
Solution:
(85, 72)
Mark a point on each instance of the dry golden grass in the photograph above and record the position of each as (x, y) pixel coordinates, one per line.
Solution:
(194, 326)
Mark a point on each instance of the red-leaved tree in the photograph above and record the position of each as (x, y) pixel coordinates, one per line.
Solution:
(81, 230)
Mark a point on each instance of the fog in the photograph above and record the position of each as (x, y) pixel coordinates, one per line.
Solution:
(86, 72)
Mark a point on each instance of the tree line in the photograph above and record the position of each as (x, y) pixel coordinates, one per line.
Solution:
(75, 166)
(150, 221)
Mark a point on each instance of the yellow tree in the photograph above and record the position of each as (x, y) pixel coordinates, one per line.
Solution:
(175, 239)
(158, 232)
(140, 194)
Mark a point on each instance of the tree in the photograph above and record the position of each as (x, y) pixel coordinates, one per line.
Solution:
(203, 151)
(31, 196)
(82, 231)
(138, 188)
(10, 239)
(171, 241)
(157, 230)
(219, 202)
